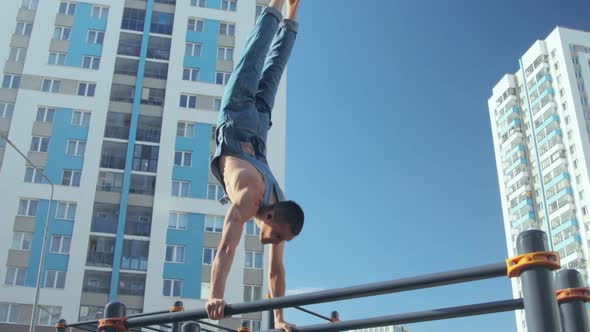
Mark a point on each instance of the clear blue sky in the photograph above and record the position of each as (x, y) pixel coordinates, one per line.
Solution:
(389, 148)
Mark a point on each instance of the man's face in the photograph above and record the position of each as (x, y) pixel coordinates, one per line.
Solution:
(274, 232)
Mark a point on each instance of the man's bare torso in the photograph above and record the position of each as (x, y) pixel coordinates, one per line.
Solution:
(241, 178)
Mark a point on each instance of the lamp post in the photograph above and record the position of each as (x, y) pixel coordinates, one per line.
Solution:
(44, 243)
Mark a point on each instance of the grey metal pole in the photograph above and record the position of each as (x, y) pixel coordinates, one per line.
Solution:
(33, 322)
(191, 327)
(178, 306)
(538, 290)
(378, 288)
(113, 310)
(574, 316)
(415, 317)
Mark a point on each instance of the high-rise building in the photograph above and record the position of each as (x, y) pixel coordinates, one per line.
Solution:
(390, 328)
(117, 101)
(540, 121)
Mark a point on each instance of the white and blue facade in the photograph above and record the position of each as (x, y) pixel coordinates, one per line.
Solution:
(540, 120)
(117, 101)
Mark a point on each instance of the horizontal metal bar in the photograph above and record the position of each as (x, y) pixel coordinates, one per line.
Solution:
(95, 322)
(414, 317)
(153, 329)
(378, 288)
(312, 313)
(86, 329)
(214, 325)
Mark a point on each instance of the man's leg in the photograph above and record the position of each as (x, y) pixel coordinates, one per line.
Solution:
(277, 59)
(243, 82)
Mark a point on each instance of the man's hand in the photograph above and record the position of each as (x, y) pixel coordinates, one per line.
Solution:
(215, 308)
(282, 325)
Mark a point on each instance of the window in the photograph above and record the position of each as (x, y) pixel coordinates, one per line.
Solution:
(66, 210)
(190, 74)
(253, 260)
(225, 53)
(15, 276)
(23, 28)
(193, 49)
(91, 62)
(229, 5)
(584, 100)
(81, 119)
(133, 19)
(56, 58)
(49, 315)
(172, 287)
(21, 241)
(205, 290)
(14, 313)
(17, 54)
(45, 114)
(30, 4)
(251, 228)
(213, 224)
(99, 13)
(27, 207)
(11, 81)
(55, 279)
(71, 178)
(86, 89)
(6, 110)
(252, 293)
(180, 188)
(227, 29)
(183, 158)
(62, 33)
(209, 255)
(60, 244)
(214, 191)
(199, 3)
(221, 77)
(34, 175)
(217, 104)
(188, 101)
(185, 129)
(95, 37)
(254, 325)
(76, 148)
(259, 9)
(50, 85)
(177, 220)
(196, 25)
(39, 144)
(174, 254)
(67, 8)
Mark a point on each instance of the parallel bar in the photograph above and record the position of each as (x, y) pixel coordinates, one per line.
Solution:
(393, 286)
(153, 329)
(86, 329)
(414, 317)
(95, 322)
(219, 327)
(312, 313)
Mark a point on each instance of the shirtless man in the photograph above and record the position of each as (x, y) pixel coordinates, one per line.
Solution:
(240, 162)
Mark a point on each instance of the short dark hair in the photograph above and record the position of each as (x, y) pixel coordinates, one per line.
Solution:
(290, 213)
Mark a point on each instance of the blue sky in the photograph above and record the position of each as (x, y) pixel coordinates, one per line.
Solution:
(389, 148)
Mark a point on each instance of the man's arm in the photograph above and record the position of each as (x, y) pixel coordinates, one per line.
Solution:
(276, 282)
(239, 212)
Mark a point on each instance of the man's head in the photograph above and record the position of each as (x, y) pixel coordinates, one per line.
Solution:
(282, 222)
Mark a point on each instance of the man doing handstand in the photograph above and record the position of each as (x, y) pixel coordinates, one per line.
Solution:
(240, 162)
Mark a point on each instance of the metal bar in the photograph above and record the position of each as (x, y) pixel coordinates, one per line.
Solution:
(85, 329)
(313, 313)
(88, 322)
(538, 290)
(114, 310)
(95, 322)
(191, 327)
(414, 317)
(574, 317)
(153, 329)
(217, 326)
(393, 286)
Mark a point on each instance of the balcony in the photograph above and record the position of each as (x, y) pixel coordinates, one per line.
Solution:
(110, 181)
(156, 70)
(133, 19)
(117, 125)
(113, 155)
(161, 23)
(138, 221)
(142, 184)
(100, 251)
(126, 66)
(148, 129)
(158, 48)
(105, 218)
(131, 284)
(153, 96)
(135, 255)
(145, 158)
(97, 282)
(122, 93)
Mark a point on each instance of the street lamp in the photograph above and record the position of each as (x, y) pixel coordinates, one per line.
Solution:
(44, 243)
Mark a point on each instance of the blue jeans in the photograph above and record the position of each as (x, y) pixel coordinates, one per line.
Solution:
(245, 115)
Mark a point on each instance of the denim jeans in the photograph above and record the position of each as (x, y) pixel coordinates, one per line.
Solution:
(246, 107)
